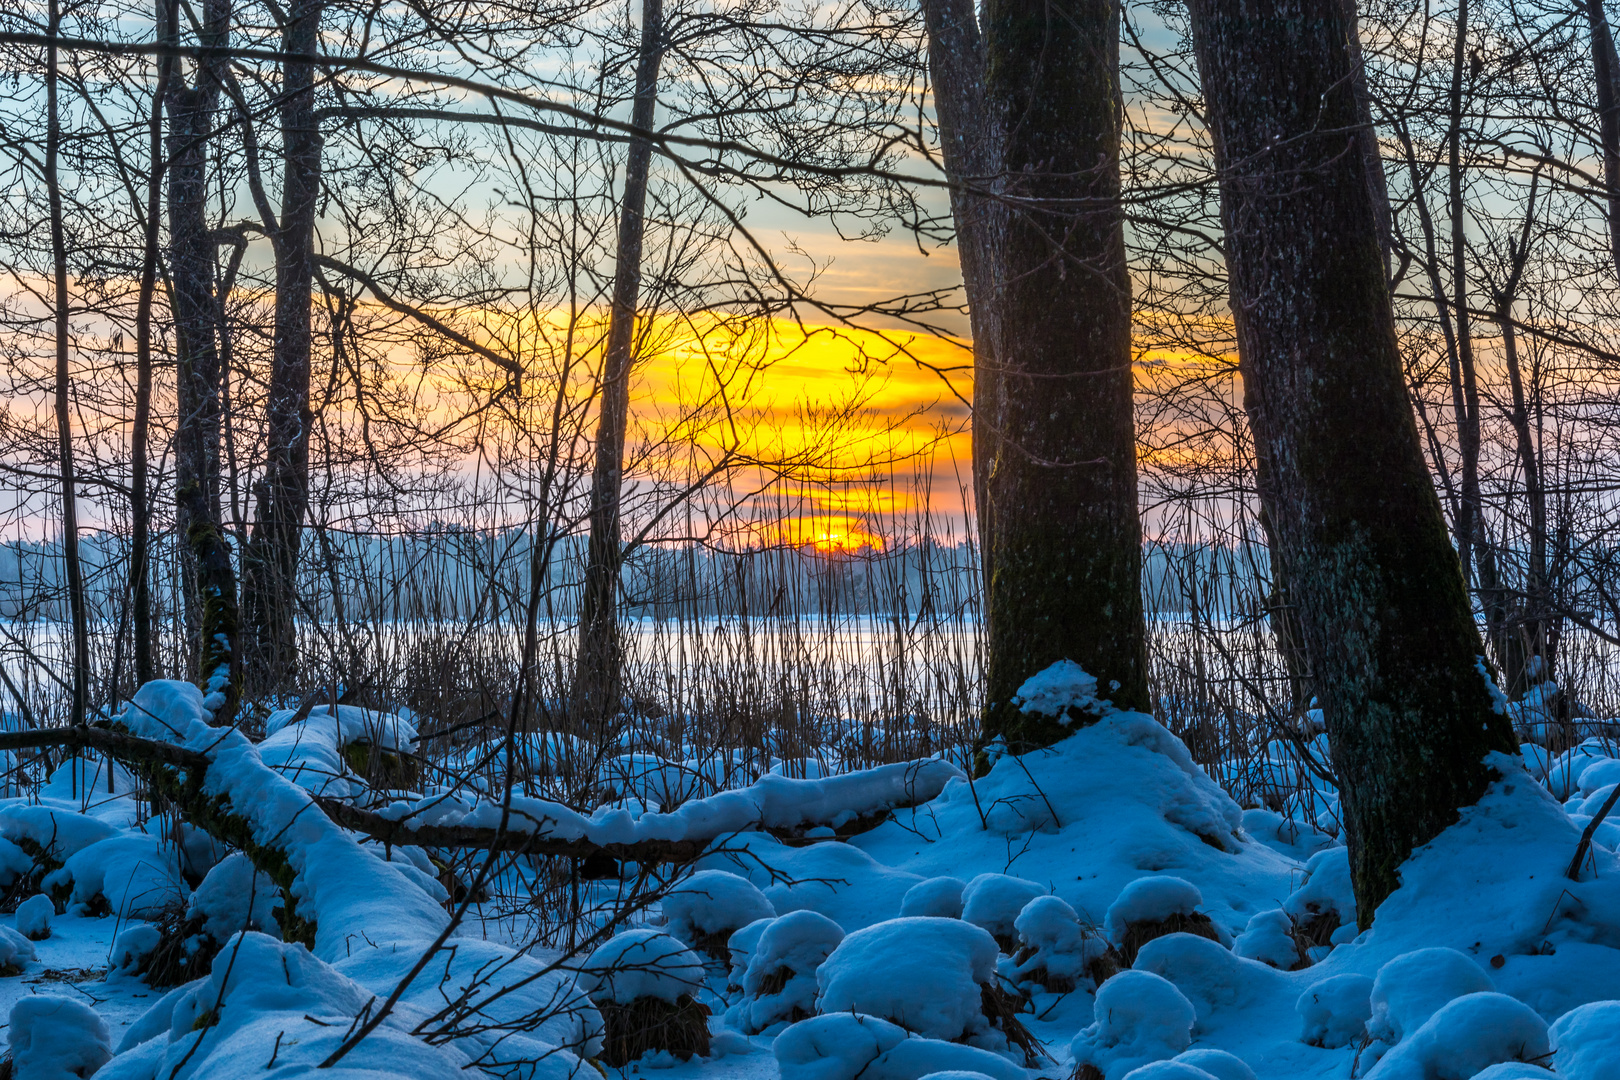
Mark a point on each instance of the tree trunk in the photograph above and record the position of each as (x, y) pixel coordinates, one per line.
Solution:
(1469, 526)
(597, 669)
(64, 425)
(191, 266)
(140, 503)
(270, 564)
(1606, 70)
(970, 141)
(1394, 651)
(1065, 535)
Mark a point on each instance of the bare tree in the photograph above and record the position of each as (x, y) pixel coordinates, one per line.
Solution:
(1395, 655)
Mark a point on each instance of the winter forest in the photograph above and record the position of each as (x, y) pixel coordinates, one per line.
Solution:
(809, 539)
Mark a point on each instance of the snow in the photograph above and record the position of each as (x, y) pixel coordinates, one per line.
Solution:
(940, 897)
(16, 951)
(1335, 1011)
(1055, 946)
(1217, 1063)
(135, 873)
(56, 1038)
(1465, 1037)
(924, 974)
(1064, 691)
(1586, 1042)
(34, 917)
(1269, 939)
(232, 897)
(1326, 890)
(850, 1046)
(711, 901)
(1141, 1018)
(993, 902)
(638, 964)
(861, 957)
(1413, 987)
(799, 942)
(1151, 899)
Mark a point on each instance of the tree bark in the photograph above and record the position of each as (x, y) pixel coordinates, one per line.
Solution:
(1395, 654)
(270, 564)
(64, 424)
(191, 265)
(1606, 70)
(597, 669)
(1065, 534)
(1469, 526)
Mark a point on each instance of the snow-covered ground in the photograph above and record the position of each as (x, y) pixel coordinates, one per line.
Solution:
(1099, 910)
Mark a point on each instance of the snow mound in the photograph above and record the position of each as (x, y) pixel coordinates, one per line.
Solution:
(1586, 1042)
(1465, 1037)
(1217, 1063)
(57, 833)
(939, 897)
(1056, 948)
(266, 997)
(16, 951)
(234, 897)
(34, 917)
(54, 1038)
(847, 1046)
(992, 902)
(638, 964)
(1269, 938)
(1151, 899)
(1141, 1018)
(740, 950)
(1326, 891)
(136, 874)
(132, 947)
(705, 909)
(1413, 987)
(780, 983)
(1064, 691)
(352, 724)
(1169, 1070)
(921, 973)
(1335, 1011)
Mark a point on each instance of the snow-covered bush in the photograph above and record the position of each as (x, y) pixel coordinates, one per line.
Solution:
(644, 983)
(56, 1038)
(740, 949)
(48, 836)
(1141, 1018)
(1055, 950)
(1465, 1037)
(849, 1046)
(16, 952)
(1217, 1063)
(34, 916)
(708, 907)
(1335, 1011)
(1414, 986)
(993, 901)
(1324, 906)
(1586, 1042)
(131, 875)
(133, 949)
(924, 974)
(780, 983)
(938, 897)
(1152, 907)
(1270, 938)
